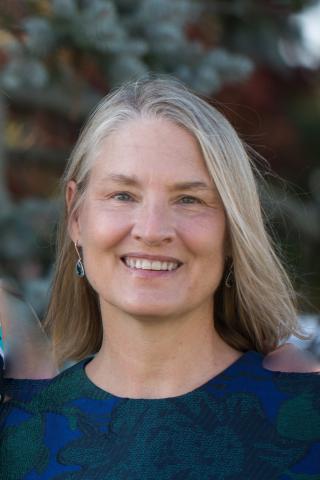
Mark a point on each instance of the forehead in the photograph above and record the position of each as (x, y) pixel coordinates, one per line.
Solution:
(150, 146)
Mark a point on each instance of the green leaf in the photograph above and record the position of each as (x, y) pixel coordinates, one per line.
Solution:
(16, 462)
(298, 419)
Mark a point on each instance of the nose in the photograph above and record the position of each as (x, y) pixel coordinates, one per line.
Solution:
(153, 224)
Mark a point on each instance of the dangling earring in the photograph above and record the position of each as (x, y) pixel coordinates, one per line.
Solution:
(229, 280)
(79, 265)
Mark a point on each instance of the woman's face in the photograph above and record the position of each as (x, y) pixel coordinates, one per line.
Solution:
(152, 226)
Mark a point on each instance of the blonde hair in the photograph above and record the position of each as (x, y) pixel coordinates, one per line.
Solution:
(258, 310)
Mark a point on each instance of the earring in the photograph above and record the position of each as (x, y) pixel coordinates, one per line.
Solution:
(229, 280)
(79, 265)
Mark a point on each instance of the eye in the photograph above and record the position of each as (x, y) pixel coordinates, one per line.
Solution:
(122, 197)
(189, 200)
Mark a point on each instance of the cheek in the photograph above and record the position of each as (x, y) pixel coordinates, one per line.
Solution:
(205, 235)
(103, 228)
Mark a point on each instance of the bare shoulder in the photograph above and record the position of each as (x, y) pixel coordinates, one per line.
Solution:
(289, 358)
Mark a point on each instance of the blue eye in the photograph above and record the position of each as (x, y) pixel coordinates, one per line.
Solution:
(187, 199)
(122, 197)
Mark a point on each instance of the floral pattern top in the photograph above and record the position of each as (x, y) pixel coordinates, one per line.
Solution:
(247, 423)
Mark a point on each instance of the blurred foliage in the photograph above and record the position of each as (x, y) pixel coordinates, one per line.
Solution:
(99, 43)
(59, 57)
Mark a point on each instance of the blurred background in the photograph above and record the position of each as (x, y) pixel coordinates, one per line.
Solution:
(258, 61)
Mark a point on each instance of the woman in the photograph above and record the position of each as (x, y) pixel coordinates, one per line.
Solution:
(178, 296)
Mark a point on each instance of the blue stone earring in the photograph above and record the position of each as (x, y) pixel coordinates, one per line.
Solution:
(79, 265)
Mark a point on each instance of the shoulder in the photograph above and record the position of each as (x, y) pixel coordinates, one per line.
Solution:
(28, 400)
(284, 375)
(270, 382)
(289, 358)
(293, 374)
(23, 390)
(27, 390)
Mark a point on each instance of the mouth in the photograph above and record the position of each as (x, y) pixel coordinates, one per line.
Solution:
(155, 264)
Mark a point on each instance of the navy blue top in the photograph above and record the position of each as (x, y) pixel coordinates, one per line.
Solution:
(247, 423)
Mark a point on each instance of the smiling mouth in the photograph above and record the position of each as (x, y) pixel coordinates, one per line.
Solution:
(147, 264)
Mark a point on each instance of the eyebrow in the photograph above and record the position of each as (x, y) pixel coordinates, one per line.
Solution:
(132, 180)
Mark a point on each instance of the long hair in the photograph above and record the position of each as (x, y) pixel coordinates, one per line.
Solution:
(257, 311)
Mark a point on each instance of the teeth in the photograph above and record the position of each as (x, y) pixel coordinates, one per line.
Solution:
(156, 265)
(145, 264)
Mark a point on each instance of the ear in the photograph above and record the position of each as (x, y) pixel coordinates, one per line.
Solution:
(73, 216)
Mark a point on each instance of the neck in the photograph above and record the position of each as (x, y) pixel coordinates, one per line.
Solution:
(157, 358)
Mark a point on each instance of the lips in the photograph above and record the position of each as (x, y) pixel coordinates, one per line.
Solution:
(147, 263)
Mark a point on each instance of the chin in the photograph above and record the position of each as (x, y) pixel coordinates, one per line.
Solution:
(149, 310)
